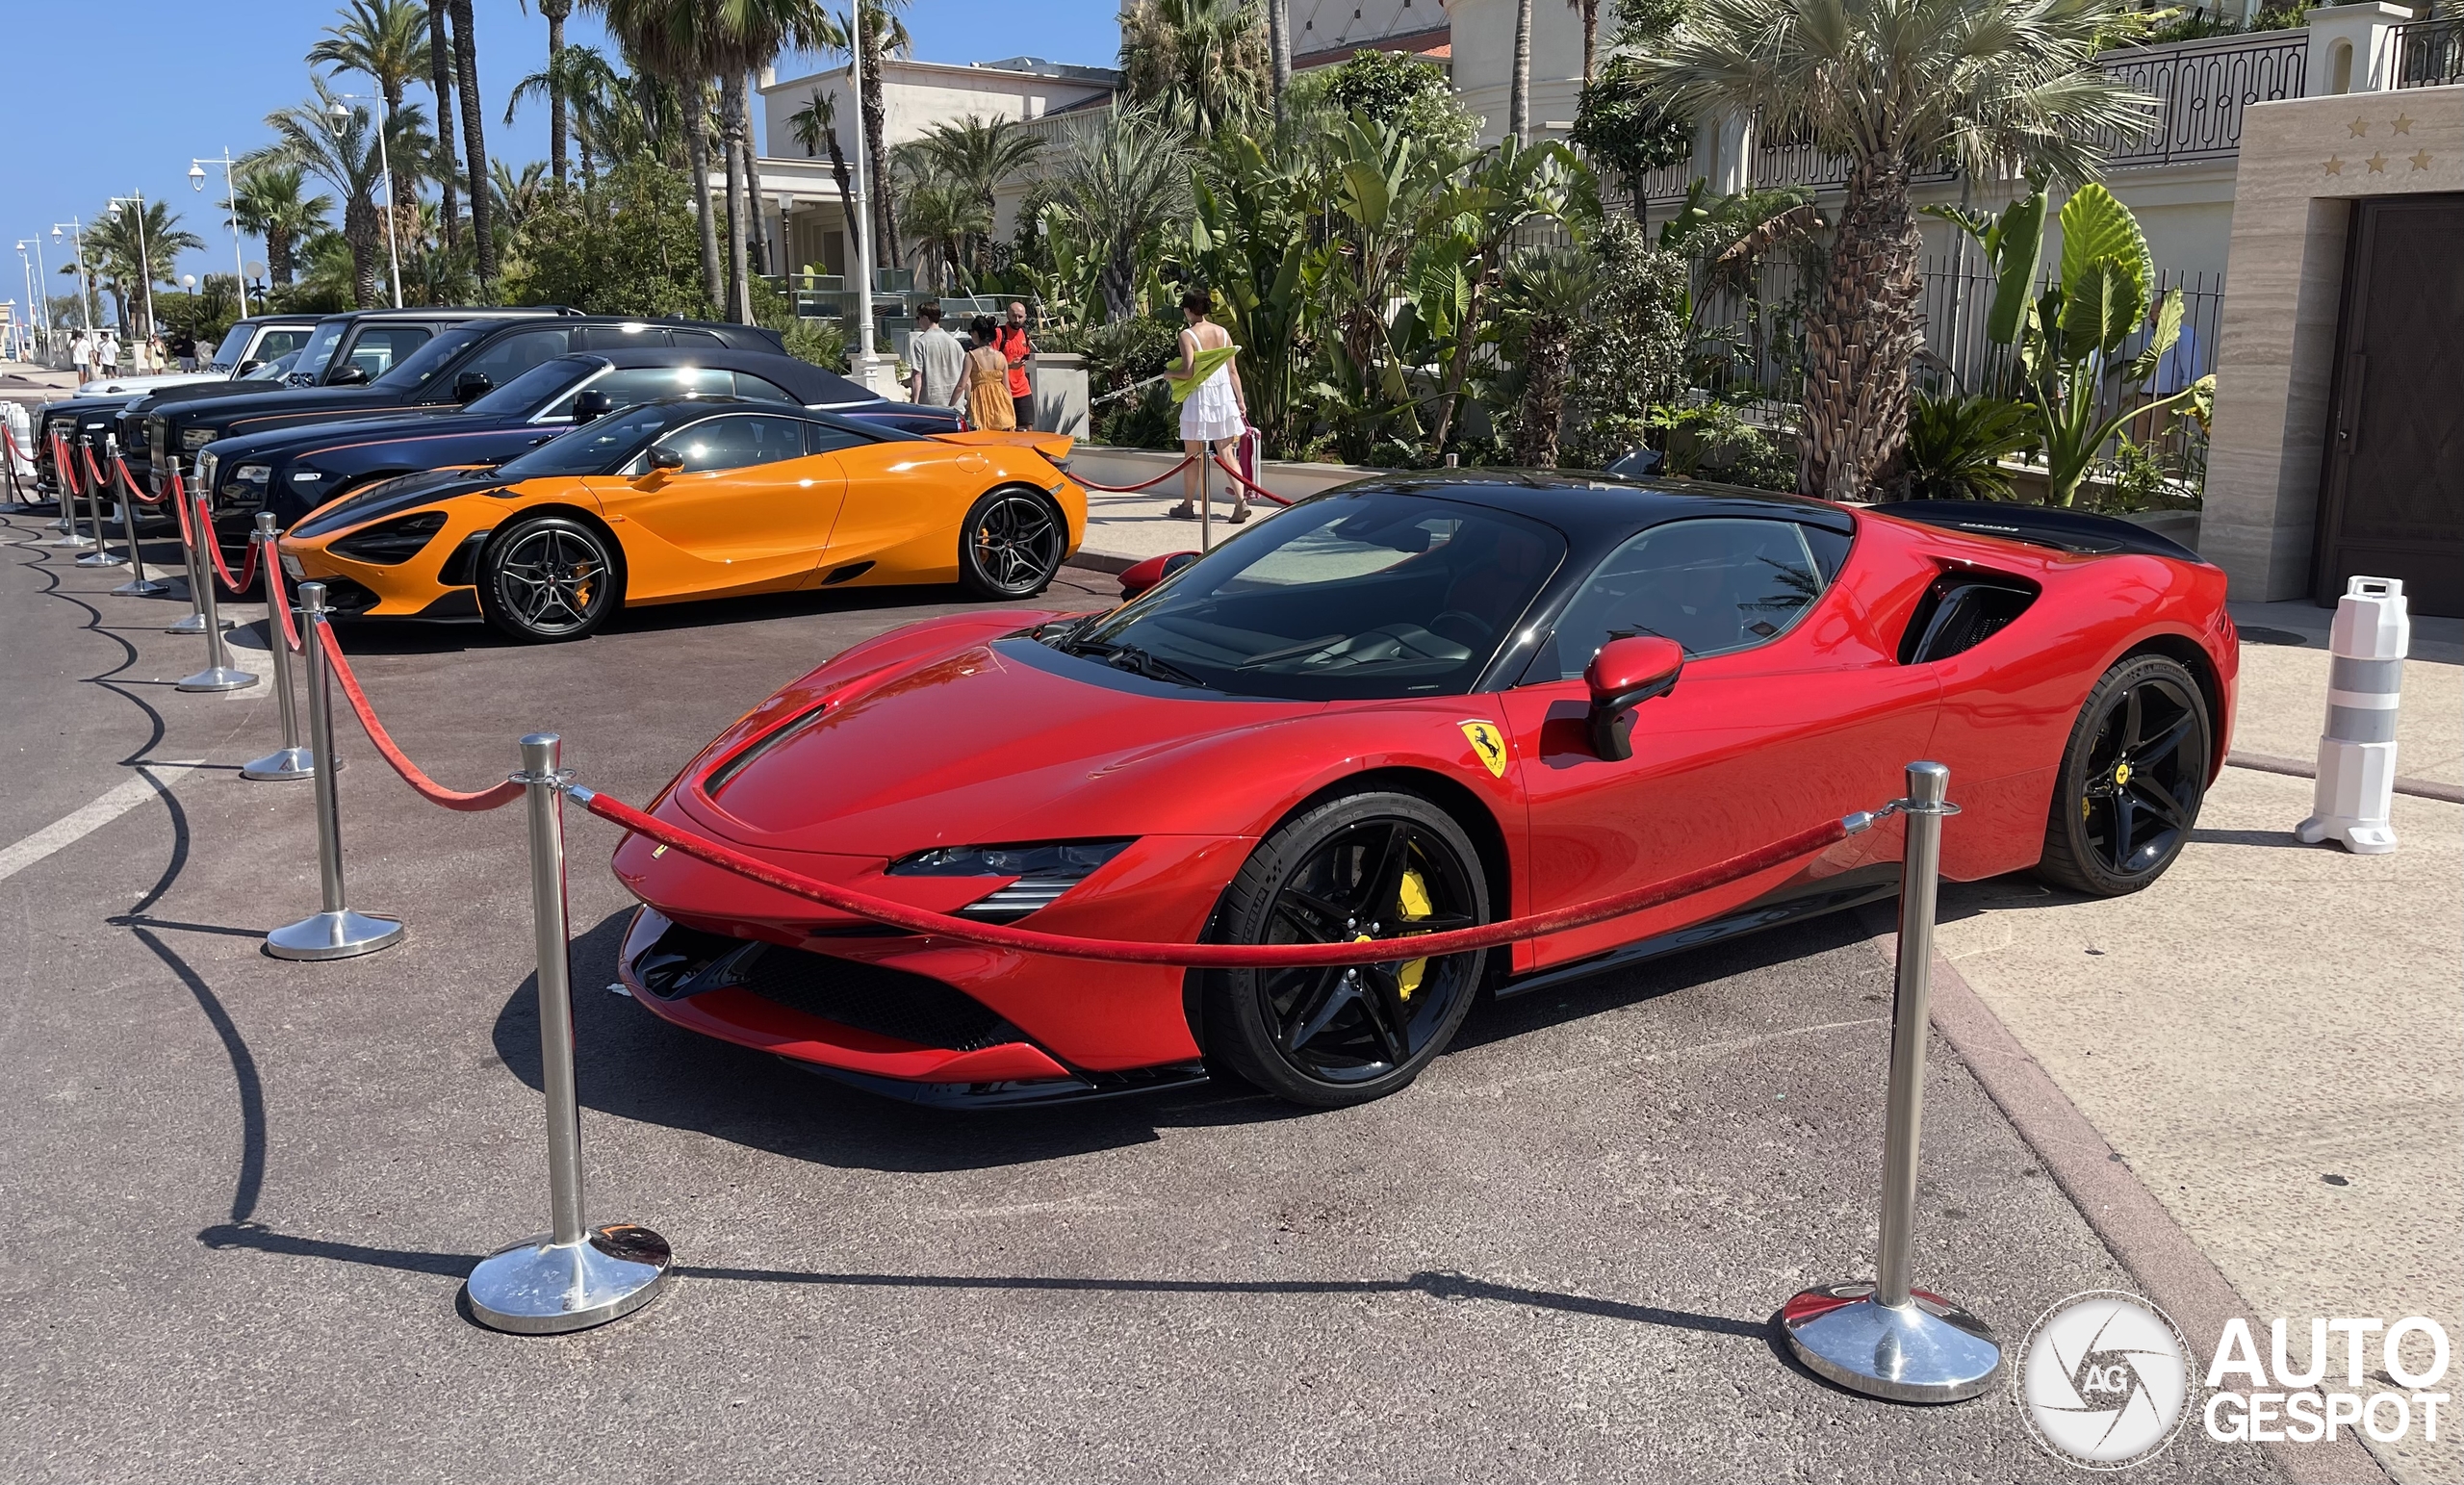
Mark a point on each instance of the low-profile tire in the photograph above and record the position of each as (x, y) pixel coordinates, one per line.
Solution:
(2132, 779)
(549, 579)
(1011, 544)
(1364, 865)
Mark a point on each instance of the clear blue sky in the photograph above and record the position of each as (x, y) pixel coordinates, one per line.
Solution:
(111, 97)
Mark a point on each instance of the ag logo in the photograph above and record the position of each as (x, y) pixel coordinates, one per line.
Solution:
(1486, 743)
(2103, 1380)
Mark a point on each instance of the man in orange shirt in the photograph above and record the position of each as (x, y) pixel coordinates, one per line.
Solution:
(1011, 340)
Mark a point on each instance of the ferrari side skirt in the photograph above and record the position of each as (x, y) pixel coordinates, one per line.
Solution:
(1017, 1094)
(1785, 904)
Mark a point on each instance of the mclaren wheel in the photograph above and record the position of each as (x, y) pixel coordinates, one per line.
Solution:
(1012, 545)
(549, 577)
(2132, 779)
(1364, 866)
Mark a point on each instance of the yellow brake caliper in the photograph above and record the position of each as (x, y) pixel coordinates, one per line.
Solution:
(1415, 904)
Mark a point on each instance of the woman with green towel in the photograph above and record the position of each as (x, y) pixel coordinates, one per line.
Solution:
(1215, 412)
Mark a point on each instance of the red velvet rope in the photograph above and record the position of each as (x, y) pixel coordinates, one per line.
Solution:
(278, 601)
(240, 585)
(86, 451)
(1254, 487)
(1213, 956)
(427, 788)
(67, 466)
(1186, 461)
(180, 508)
(128, 482)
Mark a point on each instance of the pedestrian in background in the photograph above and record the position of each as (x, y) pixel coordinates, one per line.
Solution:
(1016, 350)
(81, 354)
(184, 348)
(107, 354)
(988, 400)
(156, 363)
(1215, 411)
(939, 360)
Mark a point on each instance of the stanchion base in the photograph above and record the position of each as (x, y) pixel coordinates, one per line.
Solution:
(333, 935)
(141, 587)
(282, 764)
(222, 678)
(102, 559)
(1927, 1350)
(194, 624)
(538, 1288)
(65, 542)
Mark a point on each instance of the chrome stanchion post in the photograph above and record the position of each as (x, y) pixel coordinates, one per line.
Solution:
(289, 760)
(194, 622)
(140, 585)
(101, 555)
(66, 479)
(220, 674)
(1888, 1338)
(572, 1277)
(335, 933)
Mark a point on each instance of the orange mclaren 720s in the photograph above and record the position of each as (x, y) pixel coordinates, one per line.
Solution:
(690, 499)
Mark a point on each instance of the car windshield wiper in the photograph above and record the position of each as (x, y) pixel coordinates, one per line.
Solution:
(1131, 658)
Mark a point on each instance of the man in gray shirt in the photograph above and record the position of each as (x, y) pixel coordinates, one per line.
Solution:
(938, 358)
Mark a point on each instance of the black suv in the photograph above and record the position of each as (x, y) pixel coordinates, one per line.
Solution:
(348, 350)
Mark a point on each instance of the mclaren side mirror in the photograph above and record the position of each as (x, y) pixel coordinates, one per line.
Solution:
(347, 376)
(667, 460)
(1624, 674)
(1154, 570)
(471, 386)
(591, 405)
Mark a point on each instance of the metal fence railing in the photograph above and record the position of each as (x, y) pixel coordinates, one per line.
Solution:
(2430, 53)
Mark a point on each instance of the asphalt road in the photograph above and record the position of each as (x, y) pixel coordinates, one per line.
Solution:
(244, 1190)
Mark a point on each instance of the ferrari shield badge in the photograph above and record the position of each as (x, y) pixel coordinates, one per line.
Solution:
(1487, 744)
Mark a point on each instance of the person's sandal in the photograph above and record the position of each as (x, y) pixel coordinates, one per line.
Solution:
(1240, 514)
(1182, 512)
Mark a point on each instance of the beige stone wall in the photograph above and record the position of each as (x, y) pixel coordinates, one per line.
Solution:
(2303, 163)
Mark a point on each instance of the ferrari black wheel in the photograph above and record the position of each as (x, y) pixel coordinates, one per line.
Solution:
(1365, 867)
(550, 578)
(1012, 545)
(2132, 779)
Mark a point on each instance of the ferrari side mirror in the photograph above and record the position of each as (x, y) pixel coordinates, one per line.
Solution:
(1154, 570)
(589, 405)
(1624, 674)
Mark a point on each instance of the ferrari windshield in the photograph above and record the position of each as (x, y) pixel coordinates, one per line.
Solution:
(1381, 593)
(592, 448)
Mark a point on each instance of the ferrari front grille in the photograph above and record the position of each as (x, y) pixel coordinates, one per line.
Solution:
(866, 997)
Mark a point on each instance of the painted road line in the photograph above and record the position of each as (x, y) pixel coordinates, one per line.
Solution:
(78, 824)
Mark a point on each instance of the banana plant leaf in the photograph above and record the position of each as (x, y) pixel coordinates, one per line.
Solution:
(1209, 362)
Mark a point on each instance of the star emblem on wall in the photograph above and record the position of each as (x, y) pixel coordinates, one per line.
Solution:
(2403, 124)
(2377, 164)
(2334, 167)
(2421, 161)
(2360, 127)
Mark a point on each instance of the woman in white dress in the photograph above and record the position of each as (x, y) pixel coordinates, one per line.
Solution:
(1213, 416)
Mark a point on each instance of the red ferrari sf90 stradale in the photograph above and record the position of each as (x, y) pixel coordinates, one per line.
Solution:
(1406, 706)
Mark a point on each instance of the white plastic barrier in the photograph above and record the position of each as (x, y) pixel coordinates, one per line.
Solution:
(2356, 784)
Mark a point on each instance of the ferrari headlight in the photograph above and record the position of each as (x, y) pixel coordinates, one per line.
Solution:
(195, 438)
(1044, 871)
(252, 473)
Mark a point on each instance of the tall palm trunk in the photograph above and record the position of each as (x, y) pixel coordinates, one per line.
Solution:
(1518, 99)
(359, 232)
(466, 70)
(555, 12)
(1860, 339)
(1548, 355)
(731, 119)
(440, 79)
(403, 183)
(855, 245)
(1279, 48)
(697, 154)
(877, 153)
(1590, 36)
(278, 255)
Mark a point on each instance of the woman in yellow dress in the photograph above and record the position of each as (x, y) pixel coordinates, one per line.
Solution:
(988, 380)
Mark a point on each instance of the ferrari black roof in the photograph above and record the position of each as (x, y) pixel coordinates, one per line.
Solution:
(1592, 507)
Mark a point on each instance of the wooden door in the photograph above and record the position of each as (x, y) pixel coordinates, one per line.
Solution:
(2392, 500)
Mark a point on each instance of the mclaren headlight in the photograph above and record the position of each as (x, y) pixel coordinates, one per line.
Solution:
(391, 542)
(1044, 870)
(197, 438)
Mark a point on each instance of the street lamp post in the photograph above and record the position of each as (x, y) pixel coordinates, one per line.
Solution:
(384, 163)
(144, 262)
(197, 182)
(85, 280)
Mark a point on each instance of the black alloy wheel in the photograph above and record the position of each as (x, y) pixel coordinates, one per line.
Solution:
(1011, 545)
(1381, 866)
(548, 579)
(2132, 779)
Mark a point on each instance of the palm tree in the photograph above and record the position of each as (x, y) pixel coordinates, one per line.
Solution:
(1518, 97)
(746, 35)
(976, 152)
(130, 248)
(341, 151)
(944, 219)
(1202, 63)
(672, 39)
(586, 94)
(269, 204)
(815, 125)
(555, 12)
(885, 34)
(387, 41)
(1895, 85)
(440, 81)
(1279, 49)
(1123, 187)
(474, 158)
(514, 197)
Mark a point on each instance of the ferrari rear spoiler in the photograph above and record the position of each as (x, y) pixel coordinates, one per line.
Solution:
(1054, 447)
(2042, 525)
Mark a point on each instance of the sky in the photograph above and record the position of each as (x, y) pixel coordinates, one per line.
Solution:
(164, 81)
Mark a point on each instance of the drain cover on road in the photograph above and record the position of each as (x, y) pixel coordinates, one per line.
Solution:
(2257, 636)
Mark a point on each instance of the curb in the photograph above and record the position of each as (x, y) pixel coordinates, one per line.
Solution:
(1102, 561)
(2132, 1223)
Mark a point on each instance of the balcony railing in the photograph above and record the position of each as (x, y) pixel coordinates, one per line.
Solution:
(2430, 53)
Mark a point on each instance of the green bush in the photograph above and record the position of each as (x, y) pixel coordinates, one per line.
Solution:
(1629, 353)
(1956, 446)
(627, 247)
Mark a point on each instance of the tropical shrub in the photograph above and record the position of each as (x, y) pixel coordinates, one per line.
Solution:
(1956, 446)
(1629, 354)
(629, 248)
